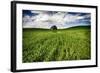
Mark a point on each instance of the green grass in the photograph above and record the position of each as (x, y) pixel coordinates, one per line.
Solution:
(42, 45)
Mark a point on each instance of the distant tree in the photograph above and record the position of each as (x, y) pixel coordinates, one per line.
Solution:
(53, 27)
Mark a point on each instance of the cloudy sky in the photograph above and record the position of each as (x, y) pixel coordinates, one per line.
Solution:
(46, 19)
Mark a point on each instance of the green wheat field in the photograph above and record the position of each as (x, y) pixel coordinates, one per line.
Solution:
(45, 45)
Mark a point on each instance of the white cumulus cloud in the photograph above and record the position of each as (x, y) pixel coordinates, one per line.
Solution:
(45, 20)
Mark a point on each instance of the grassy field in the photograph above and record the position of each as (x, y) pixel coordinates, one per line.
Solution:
(42, 45)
